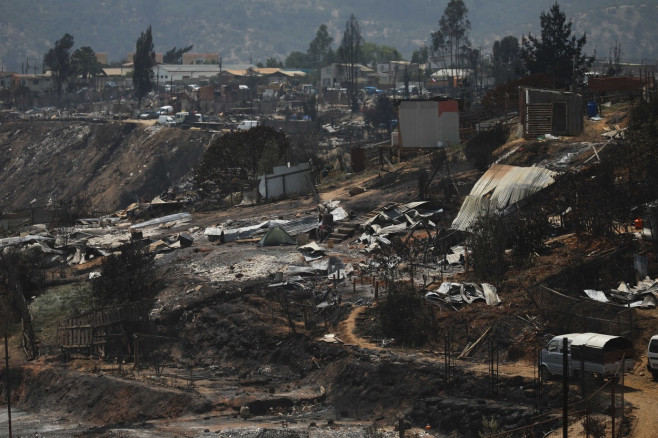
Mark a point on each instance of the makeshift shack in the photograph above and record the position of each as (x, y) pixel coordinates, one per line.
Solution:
(552, 112)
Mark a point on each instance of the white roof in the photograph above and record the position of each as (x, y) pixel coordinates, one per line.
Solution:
(591, 339)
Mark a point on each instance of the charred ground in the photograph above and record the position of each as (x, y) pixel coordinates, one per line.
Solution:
(227, 340)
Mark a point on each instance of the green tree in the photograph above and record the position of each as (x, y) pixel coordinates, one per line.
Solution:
(375, 54)
(420, 56)
(506, 60)
(175, 56)
(125, 277)
(404, 315)
(296, 59)
(85, 64)
(272, 62)
(383, 112)
(451, 39)
(143, 62)
(270, 157)
(233, 160)
(58, 59)
(350, 54)
(487, 243)
(556, 51)
(319, 48)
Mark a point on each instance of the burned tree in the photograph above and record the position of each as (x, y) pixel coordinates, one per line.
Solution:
(350, 54)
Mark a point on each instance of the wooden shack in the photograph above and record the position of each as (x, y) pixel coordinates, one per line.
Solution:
(554, 112)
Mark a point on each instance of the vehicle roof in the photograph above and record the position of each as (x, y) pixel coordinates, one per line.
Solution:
(589, 339)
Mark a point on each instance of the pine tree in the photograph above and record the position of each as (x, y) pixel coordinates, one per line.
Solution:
(557, 51)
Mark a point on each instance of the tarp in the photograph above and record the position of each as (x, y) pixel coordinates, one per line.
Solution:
(277, 236)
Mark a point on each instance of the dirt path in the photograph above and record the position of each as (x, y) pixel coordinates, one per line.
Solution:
(640, 391)
(346, 330)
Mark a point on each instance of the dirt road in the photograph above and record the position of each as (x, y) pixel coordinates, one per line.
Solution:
(640, 390)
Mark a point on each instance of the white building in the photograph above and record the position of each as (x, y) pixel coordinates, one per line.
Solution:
(332, 75)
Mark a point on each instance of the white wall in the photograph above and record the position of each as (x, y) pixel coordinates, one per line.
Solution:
(421, 125)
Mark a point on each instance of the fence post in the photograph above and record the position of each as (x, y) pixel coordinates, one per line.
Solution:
(630, 322)
(565, 387)
(539, 380)
(582, 375)
(446, 363)
(135, 365)
(612, 410)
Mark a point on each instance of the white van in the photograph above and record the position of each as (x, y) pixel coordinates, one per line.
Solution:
(593, 353)
(166, 120)
(167, 109)
(247, 124)
(652, 357)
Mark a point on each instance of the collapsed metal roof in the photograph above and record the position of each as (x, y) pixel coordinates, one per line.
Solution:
(500, 187)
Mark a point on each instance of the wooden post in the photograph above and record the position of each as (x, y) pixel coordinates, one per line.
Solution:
(565, 387)
(612, 411)
(136, 351)
(7, 379)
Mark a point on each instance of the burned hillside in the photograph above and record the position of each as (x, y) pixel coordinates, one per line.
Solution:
(100, 166)
(258, 323)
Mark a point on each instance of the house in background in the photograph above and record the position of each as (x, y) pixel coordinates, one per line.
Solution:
(552, 112)
(36, 83)
(166, 73)
(331, 76)
(200, 58)
(5, 79)
(130, 58)
(280, 75)
(102, 58)
(395, 71)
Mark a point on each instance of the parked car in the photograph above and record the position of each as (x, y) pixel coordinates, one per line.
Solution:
(166, 120)
(247, 124)
(652, 357)
(149, 115)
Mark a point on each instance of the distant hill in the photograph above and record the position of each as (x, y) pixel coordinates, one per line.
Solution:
(254, 30)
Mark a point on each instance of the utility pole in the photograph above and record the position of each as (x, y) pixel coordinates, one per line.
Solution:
(7, 379)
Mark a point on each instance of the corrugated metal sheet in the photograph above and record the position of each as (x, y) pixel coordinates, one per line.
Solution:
(500, 187)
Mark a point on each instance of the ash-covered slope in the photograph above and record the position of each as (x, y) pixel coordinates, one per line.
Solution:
(107, 165)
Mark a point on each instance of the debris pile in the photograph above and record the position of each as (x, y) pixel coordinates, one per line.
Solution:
(644, 294)
(464, 293)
